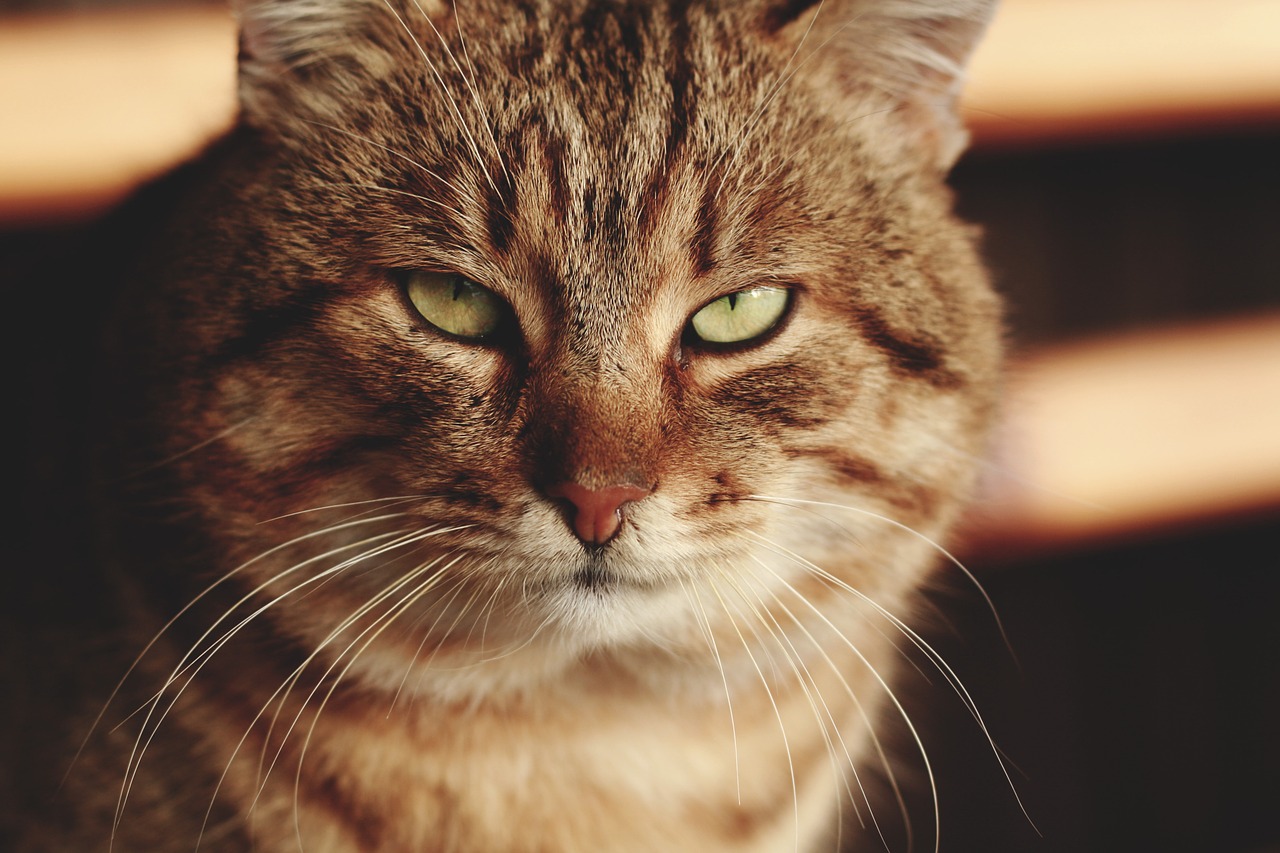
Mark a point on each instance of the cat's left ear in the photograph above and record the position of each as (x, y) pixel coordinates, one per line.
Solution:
(308, 58)
(904, 56)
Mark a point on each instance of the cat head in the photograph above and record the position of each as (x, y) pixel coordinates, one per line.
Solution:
(580, 316)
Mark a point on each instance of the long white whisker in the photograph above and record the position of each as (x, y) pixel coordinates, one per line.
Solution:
(777, 712)
(135, 755)
(907, 631)
(804, 677)
(951, 558)
(705, 624)
(902, 713)
(190, 665)
(200, 660)
(393, 152)
(381, 624)
(870, 728)
(453, 105)
(97, 720)
(400, 499)
(784, 77)
(195, 448)
(282, 692)
(932, 654)
(445, 604)
(286, 687)
(398, 540)
(469, 81)
(394, 191)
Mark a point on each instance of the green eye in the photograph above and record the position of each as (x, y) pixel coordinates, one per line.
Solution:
(740, 316)
(455, 304)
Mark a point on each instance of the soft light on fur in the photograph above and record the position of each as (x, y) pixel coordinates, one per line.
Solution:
(374, 626)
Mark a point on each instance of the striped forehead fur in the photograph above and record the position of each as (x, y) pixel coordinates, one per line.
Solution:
(589, 573)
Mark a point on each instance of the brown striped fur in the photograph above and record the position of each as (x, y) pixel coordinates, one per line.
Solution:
(472, 677)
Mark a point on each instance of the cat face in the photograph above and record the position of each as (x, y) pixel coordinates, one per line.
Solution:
(586, 326)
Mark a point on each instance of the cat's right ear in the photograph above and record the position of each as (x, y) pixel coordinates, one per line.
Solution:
(901, 57)
(306, 59)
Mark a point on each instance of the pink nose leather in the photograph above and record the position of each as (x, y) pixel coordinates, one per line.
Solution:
(597, 512)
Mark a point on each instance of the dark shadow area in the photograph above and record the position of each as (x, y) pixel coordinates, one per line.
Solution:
(1093, 239)
(1140, 713)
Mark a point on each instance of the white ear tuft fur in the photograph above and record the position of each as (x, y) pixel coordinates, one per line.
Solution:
(907, 54)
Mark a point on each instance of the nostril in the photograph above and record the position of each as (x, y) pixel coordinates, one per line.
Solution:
(597, 514)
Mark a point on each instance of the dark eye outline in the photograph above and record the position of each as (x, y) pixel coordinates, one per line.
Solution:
(503, 331)
(689, 338)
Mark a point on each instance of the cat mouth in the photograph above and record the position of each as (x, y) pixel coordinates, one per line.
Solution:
(595, 576)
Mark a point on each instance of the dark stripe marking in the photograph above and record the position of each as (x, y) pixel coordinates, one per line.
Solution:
(785, 13)
(553, 153)
(684, 95)
(779, 395)
(919, 357)
(702, 245)
(269, 325)
(899, 493)
(503, 191)
(327, 794)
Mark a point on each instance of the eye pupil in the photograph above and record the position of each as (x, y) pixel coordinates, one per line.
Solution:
(455, 305)
(741, 316)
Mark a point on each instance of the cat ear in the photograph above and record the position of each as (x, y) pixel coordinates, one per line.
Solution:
(907, 56)
(307, 57)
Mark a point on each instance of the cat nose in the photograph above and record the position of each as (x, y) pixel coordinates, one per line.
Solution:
(597, 513)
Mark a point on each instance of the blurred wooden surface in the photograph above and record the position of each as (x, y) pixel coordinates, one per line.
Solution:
(1075, 69)
(92, 104)
(1134, 435)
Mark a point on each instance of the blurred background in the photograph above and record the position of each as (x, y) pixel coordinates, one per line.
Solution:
(1126, 173)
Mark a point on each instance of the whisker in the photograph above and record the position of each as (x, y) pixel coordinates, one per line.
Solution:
(393, 152)
(759, 110)
(453, 104)
(193, 663)
(198, 661)
(951, 558)
(445, 604)
(489, 607)
(808, 684)
(393, 191)
(784, 77)
(399, 539)
(349, 504)
(281, 694)
(902, 713)
(195, 448)
(286, 688)
(870, 728)
(920, 643)
(705, 624)
(205, 592)
(186, 608)
(777, 712)
(381, 624)
(468, 81)
(907, 631)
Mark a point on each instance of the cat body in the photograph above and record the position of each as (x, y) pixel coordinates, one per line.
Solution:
(442, 506)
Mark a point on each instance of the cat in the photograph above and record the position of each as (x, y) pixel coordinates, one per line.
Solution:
(527, 429)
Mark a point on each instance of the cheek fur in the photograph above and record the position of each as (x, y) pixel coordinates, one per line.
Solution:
(393, 632)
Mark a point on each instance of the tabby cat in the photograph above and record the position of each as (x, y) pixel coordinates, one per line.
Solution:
(525, 431)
